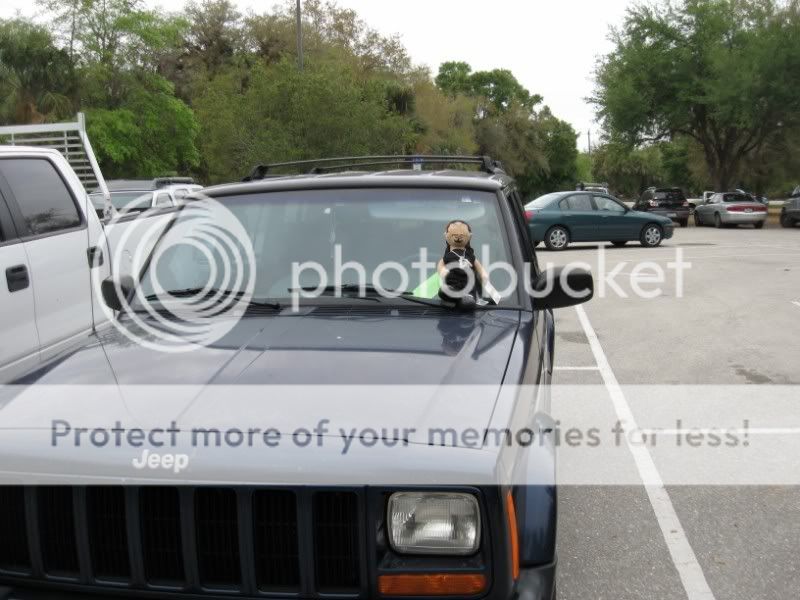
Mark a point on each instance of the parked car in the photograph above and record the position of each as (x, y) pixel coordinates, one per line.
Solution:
(695, 202)
(50, 242)
(132, 196)
(731, 208)
(306, 542)
(560, 218)
(790, 212)
(667, 202)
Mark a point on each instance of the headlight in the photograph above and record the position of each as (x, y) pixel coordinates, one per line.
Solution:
(434, 523)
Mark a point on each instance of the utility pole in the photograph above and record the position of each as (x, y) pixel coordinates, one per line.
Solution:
(589, 136)
(299, 37)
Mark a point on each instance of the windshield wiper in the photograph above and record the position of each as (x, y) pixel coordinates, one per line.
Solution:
(371, 293)
(347, 288)
(189, 292)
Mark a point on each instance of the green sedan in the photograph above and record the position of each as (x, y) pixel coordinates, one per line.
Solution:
(563, 217)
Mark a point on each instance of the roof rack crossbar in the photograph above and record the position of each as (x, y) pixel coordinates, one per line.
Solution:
(486, 163)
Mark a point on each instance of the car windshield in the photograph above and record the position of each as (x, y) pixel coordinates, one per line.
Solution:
(299, 238)
(736, 198)
(543, 201)
(127, 201)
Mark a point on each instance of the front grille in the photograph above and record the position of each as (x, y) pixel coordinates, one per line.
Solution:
(108, 535)
(14, 553)
(162, 545)
(57, 531)
(185, 540)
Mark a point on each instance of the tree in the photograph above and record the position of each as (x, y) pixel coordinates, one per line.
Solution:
(36, 78)
(455, 78)
(628, 171)
(286, 114)
(498, 87)
(152, 133)
(714, 71)
(445, 124)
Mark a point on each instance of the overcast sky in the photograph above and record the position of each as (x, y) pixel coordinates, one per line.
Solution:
(550, 45)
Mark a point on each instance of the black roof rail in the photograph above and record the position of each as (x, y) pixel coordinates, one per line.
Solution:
(160, 182)
(322, 165)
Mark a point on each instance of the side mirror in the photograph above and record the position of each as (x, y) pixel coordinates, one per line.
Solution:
(561, 287)
(111, 293)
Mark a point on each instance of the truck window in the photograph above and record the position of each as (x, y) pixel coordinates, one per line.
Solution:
(163, 200)
(43, 198)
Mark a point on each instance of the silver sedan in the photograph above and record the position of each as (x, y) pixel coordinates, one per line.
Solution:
(731, 208)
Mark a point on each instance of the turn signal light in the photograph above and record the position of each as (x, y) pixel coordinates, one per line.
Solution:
(511, 511)
(440, 584)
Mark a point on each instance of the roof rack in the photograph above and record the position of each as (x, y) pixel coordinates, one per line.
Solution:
(160, 182)
(416, 161)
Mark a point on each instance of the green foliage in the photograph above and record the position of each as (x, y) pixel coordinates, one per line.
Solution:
(151, 134)
(285, 114)
(714, 71)
(627, 170)
(36, 78)
(213, 92)
(584, 167)
(499, 88)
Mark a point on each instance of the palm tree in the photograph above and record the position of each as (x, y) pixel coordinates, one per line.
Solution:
(36, 78)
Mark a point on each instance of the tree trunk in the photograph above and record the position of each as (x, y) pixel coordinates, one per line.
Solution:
(721, 167)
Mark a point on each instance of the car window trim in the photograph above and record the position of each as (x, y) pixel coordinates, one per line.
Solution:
(24, 232)
(7, 225)
(512, 213)
(612, 199)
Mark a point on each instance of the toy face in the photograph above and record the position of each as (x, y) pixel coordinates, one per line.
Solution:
(457, 235)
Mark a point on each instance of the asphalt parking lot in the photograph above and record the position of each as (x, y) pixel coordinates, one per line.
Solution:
(738, 323)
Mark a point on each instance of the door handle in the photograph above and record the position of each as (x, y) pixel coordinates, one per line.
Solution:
(95, 256)
(17, 278)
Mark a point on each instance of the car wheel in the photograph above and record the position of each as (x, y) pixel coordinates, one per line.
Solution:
(651, 236)
(557, 238)
(759, 225)
(786, 220)
(717, 221)
(619, 243)
(698, 220)
(684, 222)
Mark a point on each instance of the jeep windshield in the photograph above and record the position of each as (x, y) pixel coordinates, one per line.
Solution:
(340, 238)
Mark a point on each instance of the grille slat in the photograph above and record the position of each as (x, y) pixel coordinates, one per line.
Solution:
(162, 545)
(276, 541)
(14, 551)
(108, 534)
(57, 531)
(217, 523)
(336, 546)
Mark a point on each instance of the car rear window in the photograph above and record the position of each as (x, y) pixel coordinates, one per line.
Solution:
(669, 195)
(542, 201)
(736, 198)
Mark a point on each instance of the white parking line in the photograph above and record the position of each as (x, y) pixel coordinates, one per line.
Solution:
(683, 557)
(796, 303)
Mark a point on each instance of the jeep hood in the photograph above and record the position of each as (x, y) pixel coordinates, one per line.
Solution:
(388, 372)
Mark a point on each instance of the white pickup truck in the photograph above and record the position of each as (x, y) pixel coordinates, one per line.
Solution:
(51, 240)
